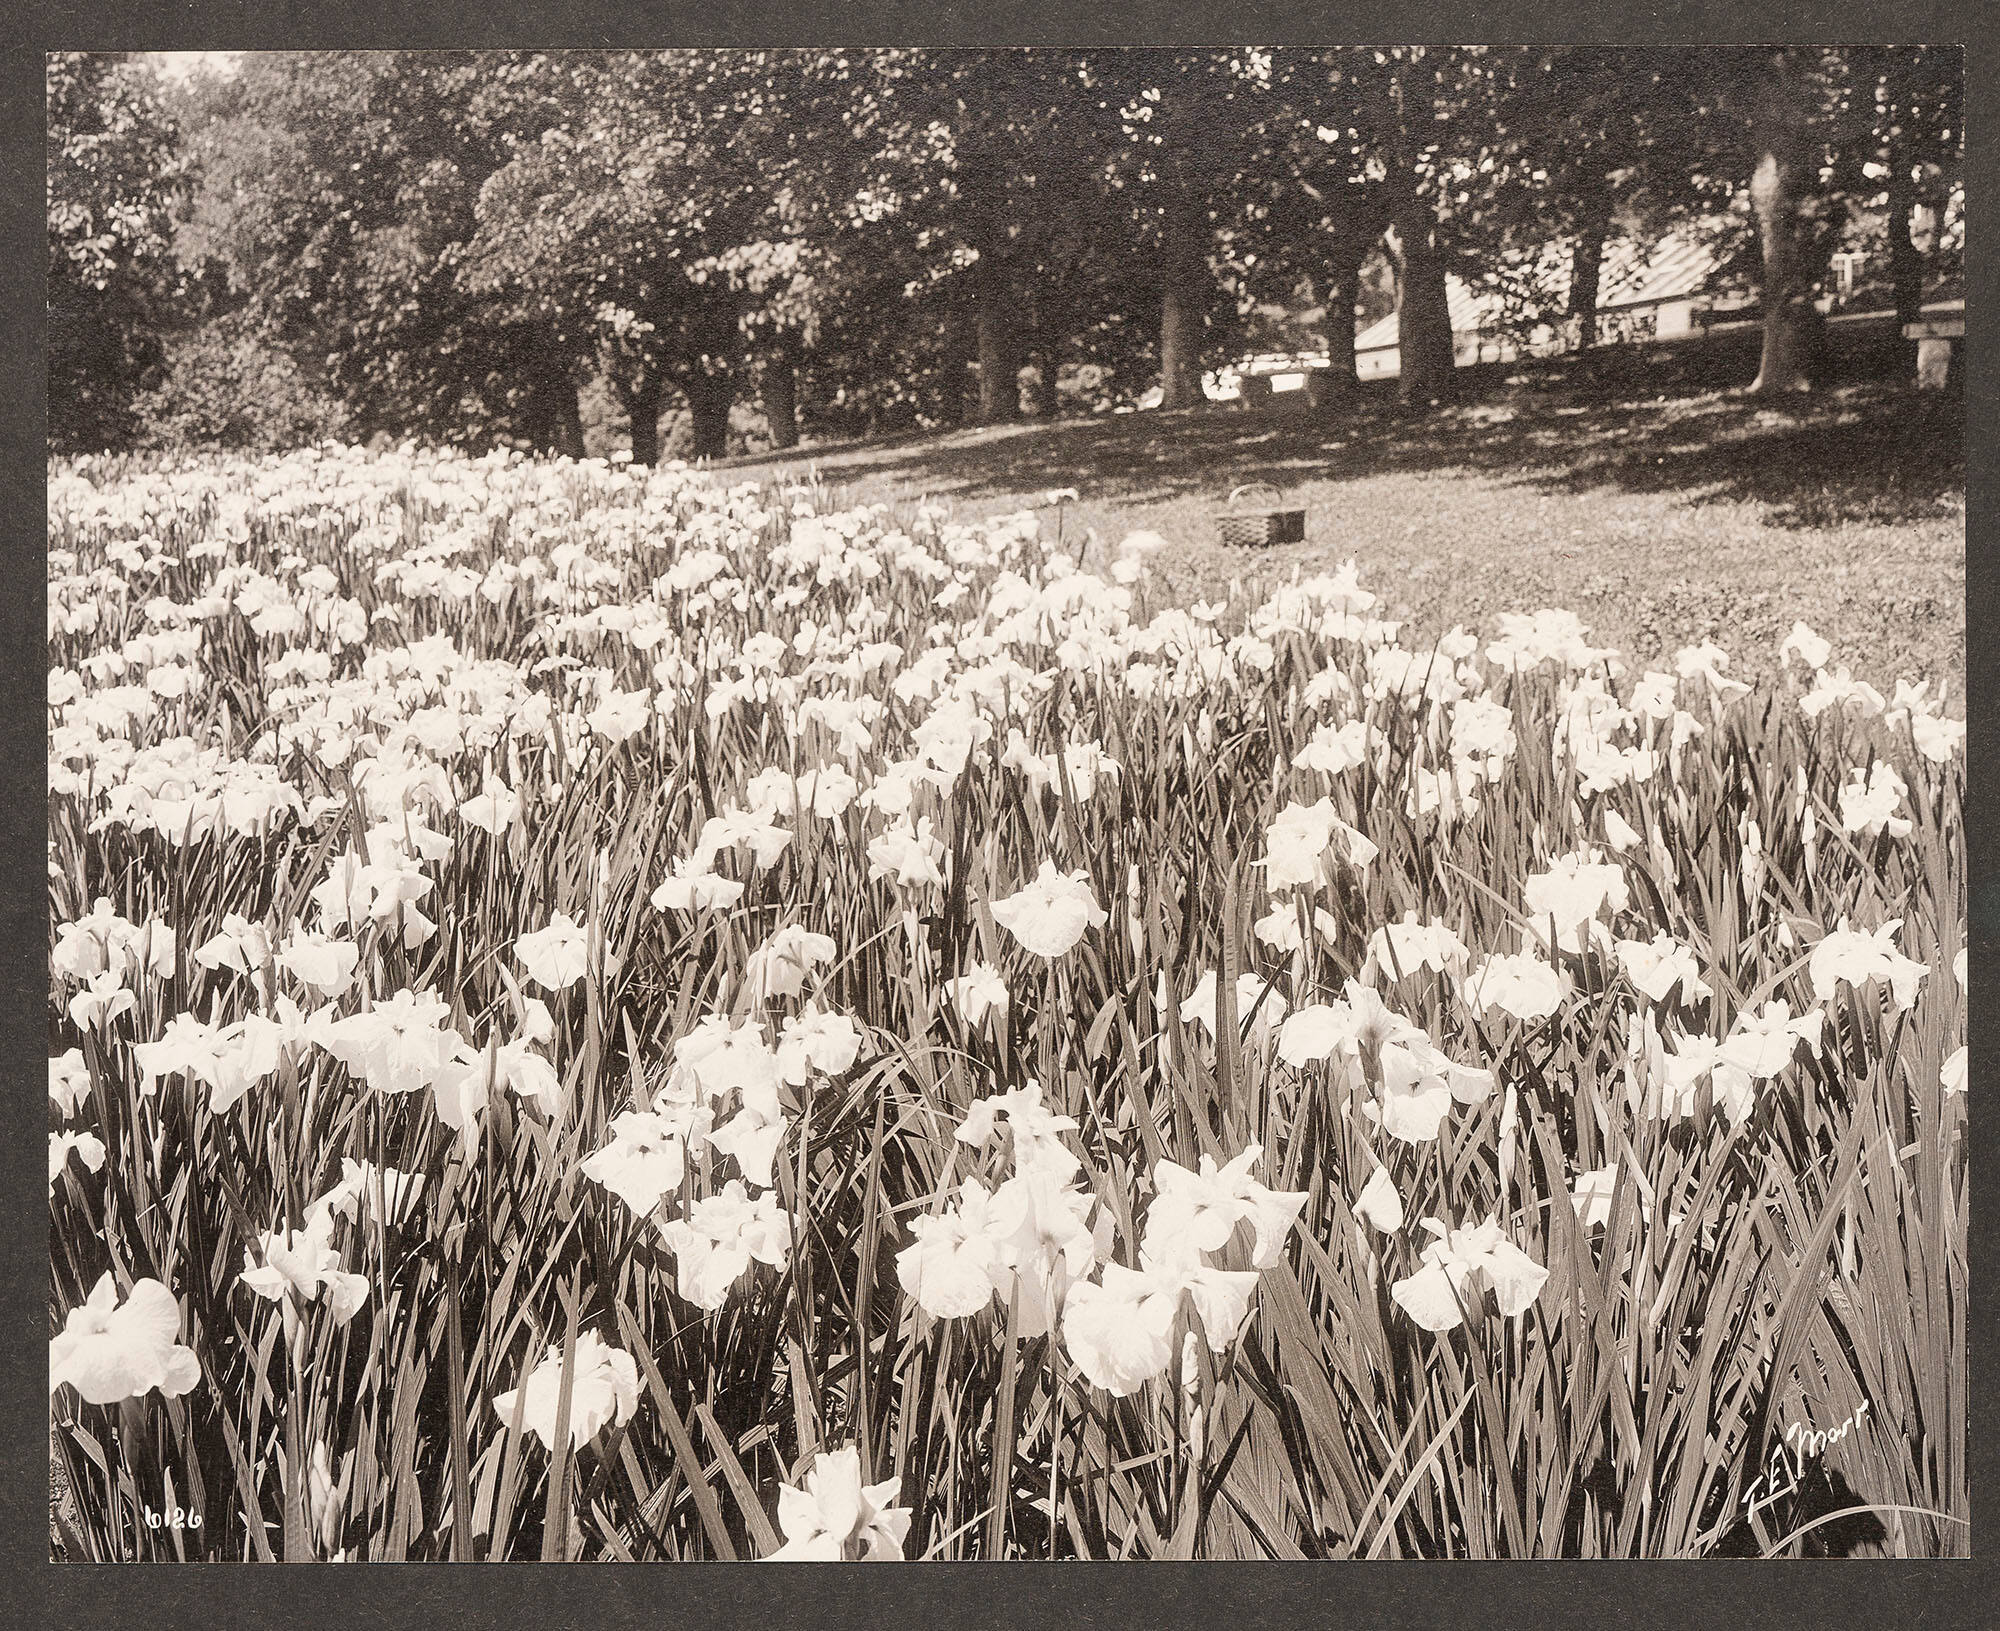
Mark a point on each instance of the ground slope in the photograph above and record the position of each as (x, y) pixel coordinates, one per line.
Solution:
(1661, 516)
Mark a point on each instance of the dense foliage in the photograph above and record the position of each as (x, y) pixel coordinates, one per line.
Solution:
(462, 247)
(112, 275)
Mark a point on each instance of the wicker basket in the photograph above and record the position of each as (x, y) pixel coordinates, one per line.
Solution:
(1256, 526)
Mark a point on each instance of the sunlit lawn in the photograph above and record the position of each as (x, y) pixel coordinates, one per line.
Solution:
(1661, 518)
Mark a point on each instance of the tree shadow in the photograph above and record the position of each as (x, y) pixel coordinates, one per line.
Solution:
(1869, 456)
(1868, 449)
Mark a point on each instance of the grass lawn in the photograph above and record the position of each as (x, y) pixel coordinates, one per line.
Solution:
(1637, 490)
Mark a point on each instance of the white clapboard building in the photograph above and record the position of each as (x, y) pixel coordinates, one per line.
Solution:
(1645, 292)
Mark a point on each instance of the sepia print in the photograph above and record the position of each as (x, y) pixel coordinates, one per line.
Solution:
(936, 804)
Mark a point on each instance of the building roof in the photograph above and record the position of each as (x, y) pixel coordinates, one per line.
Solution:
(1674, 268)
(1468, 311)
(1677, 267)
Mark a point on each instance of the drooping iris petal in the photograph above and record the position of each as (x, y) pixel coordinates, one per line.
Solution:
(108, 1350)
(604, 1390)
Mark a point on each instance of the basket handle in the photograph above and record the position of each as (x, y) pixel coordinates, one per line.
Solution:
(1254, 487)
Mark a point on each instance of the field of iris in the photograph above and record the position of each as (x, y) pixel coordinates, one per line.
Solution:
(600, 1015)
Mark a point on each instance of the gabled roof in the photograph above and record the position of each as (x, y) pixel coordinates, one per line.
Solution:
(1468, 310)
(1678, 266)
(1382, 333)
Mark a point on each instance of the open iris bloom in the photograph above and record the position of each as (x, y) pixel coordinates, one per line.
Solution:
(836, 1518)
(1459, 1268)
(110, 1350)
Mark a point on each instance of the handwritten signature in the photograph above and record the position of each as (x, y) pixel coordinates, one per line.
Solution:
(1782, 1476)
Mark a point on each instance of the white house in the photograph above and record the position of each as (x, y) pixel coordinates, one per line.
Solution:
(1643, 294)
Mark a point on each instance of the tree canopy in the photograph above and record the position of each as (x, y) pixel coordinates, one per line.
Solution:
(488, 247)
(113, 279)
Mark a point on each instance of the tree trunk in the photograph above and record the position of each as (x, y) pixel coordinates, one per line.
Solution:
(1354, 226)
(781, 397)
(1423, 310)
(642, 407)
(538, 418)
(1586, 263)
(1178, 386)
(1343, 292)
(1041, 389)
(1906, 261)
(999, 355)
(1427, 365)
(996, 343)
(551, 420)
(951, 389)
(1786, 293)
(1183, 290)
(708, 396)
(1778, 188)
(569, 416)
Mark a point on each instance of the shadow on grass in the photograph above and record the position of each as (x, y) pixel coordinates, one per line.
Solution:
(1868, 449)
